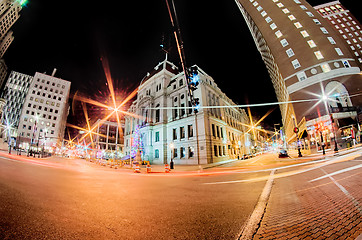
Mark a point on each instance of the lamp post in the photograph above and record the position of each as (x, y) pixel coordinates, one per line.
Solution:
(325, 100)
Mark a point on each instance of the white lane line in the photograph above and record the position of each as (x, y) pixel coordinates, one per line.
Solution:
(319, 164)
(354, 201)
(337, 172)
(251, 226)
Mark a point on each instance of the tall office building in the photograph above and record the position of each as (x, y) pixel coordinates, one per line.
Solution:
(306, 60)
(44, 114)
(345, 24)
(14, 94)
(9, 14)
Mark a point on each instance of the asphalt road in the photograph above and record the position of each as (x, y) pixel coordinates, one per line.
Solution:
(75, 199)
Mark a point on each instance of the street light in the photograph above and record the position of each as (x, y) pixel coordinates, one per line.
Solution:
(325, 100)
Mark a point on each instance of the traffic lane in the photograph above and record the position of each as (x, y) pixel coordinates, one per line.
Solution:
(300, 208)
(38, 201)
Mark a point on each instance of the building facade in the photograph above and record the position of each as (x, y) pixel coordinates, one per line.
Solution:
(343, 21)
(9, 14)
(108, 140)
(306, 60)
(44, 114)
(14, 94)
(161, 121)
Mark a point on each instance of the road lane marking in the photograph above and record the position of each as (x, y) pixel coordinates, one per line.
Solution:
(337, 172)
(252, 225)
(317, 164)
(354, 201)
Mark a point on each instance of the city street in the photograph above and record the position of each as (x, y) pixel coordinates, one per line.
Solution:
(308, 198)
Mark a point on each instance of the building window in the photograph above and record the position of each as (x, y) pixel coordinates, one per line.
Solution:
(296, 64)
(324, 30)
(284, 42)
(157, 137)
(311, 44)
(298, 25)
(213, 130)
(339, 51)
(182, 132)
(273, 26)
(285, 10)
(182, 152)
(290, 52)
(301, 76)
(175, 153)
(325, 67)
(174, 134)
(331, 40)
(268, 19)
(317, 21)
(191, 152)
(291, 17)
(215, 150)
(190, 131)
(157, 153)
(318, 55)
(304, 33)
(278, 34)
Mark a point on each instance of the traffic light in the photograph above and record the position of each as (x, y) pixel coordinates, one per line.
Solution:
(196, 105)
(194, 77)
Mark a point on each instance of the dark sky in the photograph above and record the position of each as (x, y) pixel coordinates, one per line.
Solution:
(72, 36)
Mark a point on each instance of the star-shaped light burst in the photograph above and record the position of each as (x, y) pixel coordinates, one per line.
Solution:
(115, 109)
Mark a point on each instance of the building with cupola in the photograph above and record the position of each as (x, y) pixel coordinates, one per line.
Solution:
(161, 122)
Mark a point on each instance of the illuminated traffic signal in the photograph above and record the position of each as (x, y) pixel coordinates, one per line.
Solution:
(194, 78)
(196, 105)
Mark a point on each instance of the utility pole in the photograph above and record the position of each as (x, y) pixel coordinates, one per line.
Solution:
(191, 76)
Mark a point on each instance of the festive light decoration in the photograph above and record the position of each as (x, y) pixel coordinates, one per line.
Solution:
(137, 142)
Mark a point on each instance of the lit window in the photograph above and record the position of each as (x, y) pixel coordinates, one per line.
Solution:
(311, 44)
(291, 17)
(318, 55)
(268, 19)
(263, 13)
(285, 10)
(259, 8)
(325, 67)
(290, 52)
(310, 14)
(280, 5)
(278, 34)
(297, 1)
(255, 4)
(296, 64)
(304, 33)
(339, 51)
(298, 25)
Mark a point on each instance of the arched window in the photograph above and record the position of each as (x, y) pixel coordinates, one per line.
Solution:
(338, 95)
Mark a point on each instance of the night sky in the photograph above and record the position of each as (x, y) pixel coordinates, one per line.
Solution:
(72, 36)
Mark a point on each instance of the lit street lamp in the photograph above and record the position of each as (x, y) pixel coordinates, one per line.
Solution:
(325, 100)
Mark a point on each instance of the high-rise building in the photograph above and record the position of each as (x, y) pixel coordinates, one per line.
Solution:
(9, 14)
(14, 94)
(345, 24)
(161, 121)
(44, 114)
(306, 60)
